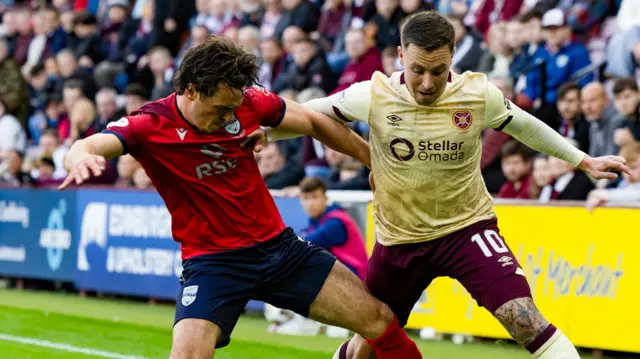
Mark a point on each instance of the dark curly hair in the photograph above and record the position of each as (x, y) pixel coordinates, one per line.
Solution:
(216, 60)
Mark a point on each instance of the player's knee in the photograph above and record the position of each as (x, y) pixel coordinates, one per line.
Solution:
(194, 339)
(379, 321)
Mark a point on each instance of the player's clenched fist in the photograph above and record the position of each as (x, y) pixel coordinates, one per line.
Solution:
(83, 169)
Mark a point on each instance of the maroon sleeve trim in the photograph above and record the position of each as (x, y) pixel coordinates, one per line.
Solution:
(282, 113)
(340, 115)
(125, 148)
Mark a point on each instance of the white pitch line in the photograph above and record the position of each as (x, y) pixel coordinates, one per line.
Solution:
(66, 347)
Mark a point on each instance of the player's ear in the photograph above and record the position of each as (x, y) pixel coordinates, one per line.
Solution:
(191, 92)
(401, 55)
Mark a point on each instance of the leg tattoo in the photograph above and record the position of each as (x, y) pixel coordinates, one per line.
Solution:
(522, 319)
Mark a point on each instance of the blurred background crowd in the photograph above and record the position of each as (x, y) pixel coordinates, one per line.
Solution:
(69, 67)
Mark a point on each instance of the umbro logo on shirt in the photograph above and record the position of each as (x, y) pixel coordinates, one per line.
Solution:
(394, 119)
(181, 132)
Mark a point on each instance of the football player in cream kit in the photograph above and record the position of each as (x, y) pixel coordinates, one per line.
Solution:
(433, 213)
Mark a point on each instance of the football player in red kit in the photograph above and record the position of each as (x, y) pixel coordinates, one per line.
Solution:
(235, 247)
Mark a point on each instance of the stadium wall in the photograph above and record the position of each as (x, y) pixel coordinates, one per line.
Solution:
(581, 266)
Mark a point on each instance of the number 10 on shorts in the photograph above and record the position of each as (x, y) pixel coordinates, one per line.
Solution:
(495, 242)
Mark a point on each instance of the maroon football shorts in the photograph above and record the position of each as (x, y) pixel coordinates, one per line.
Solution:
(477, 256)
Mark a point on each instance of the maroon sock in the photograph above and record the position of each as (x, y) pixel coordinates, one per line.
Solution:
(343, 350)
(395, 344)
(541, 339)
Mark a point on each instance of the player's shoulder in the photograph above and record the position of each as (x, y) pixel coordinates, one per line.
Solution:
(471, 85)
(256, 96)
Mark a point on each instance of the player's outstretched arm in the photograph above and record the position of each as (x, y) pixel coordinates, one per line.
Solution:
(537, 135)
(304, 121)
(88, 156)
(503, 115)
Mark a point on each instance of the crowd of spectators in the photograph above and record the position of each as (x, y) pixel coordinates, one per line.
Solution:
(70, 67)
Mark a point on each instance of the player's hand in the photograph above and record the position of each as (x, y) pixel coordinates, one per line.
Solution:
(599, 167)
(83, 169)
(256, 140)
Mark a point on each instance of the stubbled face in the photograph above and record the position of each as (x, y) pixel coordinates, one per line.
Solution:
(425, 72)
(211, 112)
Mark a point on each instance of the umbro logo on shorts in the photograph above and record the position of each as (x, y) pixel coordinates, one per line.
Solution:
(506, 261)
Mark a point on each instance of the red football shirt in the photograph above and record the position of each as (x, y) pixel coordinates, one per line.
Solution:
(212, 187)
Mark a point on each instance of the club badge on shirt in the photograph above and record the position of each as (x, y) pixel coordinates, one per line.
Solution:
(232, 127)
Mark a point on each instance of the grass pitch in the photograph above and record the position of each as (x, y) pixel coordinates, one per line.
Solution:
(52, 325)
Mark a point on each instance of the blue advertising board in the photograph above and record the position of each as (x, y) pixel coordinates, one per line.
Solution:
(36, 234)
(125, 244)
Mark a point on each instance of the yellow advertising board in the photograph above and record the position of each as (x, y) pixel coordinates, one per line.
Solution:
(583, 269)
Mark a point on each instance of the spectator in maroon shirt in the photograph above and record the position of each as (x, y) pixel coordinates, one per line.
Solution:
(516, 166)
(365, 60)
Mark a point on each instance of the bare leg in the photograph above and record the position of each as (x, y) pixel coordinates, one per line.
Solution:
(345, 302)
(527, 326)
(522, 319)
(194, 339)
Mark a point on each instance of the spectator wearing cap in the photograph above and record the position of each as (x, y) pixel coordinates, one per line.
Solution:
(562, 59)
(300, 13)
(468, 51)
(364, 60)
(85, 40)
(603, 120)
(627, 103)
(572, 123)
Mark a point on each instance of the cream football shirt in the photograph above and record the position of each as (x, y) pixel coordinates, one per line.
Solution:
(425, 159)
